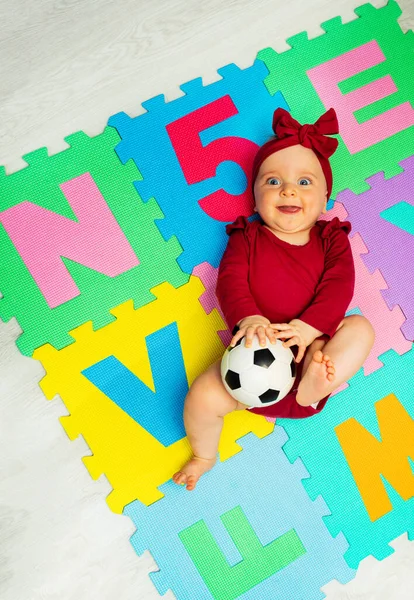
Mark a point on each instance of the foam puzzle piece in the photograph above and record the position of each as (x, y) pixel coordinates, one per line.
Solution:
(205, 141)
(391, 246)
(208, 275)
(53, 235)
(159, 411)
(88, 170)
(359, 452)
(360, 68)
(133, 459)
(248, 531)
(368, 299)
(358, 136)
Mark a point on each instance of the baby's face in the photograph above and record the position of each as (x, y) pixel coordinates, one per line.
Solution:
(291, 177)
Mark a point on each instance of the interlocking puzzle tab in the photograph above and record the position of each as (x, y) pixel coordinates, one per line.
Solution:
(205, 141)
(369, 488)
(238, 534)
(361, 68)
(133, 428)
(76, 240)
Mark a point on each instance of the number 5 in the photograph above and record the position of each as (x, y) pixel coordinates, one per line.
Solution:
(200, 162)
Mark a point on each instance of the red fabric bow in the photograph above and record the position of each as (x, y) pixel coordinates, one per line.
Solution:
(310, 136)
(290, 132)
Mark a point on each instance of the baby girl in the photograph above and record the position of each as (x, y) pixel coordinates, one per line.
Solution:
(286, 276)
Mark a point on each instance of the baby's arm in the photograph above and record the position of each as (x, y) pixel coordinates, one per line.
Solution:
(335, 289)
(233, 290)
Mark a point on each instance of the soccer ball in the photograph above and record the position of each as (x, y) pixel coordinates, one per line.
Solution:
(258, 376)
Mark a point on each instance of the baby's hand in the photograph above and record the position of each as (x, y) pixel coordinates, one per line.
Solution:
(256, 324)
(295, 333)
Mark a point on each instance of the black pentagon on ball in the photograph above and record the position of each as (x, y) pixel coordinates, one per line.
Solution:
(293, 368)
(269, 396)
(232, 380)
(263, 358)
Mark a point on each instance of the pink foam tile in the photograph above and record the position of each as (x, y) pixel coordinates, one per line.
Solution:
(368, 298)
(208, 299)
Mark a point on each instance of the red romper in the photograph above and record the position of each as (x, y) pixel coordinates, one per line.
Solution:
(260, 274)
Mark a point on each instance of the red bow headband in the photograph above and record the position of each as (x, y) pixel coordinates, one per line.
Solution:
(290, 132)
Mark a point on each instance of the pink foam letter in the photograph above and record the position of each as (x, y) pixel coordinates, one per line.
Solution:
(358, 136)
(42, 237)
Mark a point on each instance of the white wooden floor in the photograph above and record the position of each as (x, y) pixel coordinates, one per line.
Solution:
(68, 65)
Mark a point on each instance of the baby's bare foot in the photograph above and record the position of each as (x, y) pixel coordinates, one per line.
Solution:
(192, 471)
(317, 380)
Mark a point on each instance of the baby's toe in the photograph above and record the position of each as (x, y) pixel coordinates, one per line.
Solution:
(318, 356)
(180, 478)
(191, 482)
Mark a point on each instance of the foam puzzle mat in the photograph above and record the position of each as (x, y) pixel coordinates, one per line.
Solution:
(109, 258)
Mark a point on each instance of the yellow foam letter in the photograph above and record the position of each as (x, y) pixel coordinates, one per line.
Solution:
(368, 457)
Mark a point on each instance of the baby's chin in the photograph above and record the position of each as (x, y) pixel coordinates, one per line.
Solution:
(288, 225)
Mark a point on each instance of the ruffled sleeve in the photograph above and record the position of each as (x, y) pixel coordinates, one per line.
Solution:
(329, 227)
(335, 289)
(249, 228)
(239, 223)
(233, 290)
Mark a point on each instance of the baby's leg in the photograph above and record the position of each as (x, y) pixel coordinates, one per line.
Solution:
(329, 365)
(206, 404)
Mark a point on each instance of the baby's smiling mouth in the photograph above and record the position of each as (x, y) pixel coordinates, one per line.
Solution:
(289, 209)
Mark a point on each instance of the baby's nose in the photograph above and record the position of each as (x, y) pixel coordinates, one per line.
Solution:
(289, 190)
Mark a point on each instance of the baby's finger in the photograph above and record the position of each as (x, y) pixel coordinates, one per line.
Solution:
(280, 325)
(284, 334)
(301, 353)
(261, 334)
(249, 335)
(237, 337)
(293, 341)
(271, 334)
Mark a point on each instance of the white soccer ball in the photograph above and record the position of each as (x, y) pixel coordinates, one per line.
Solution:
(258, 376)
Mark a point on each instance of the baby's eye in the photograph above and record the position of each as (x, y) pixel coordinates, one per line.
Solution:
(304, 179)
(273, 179)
